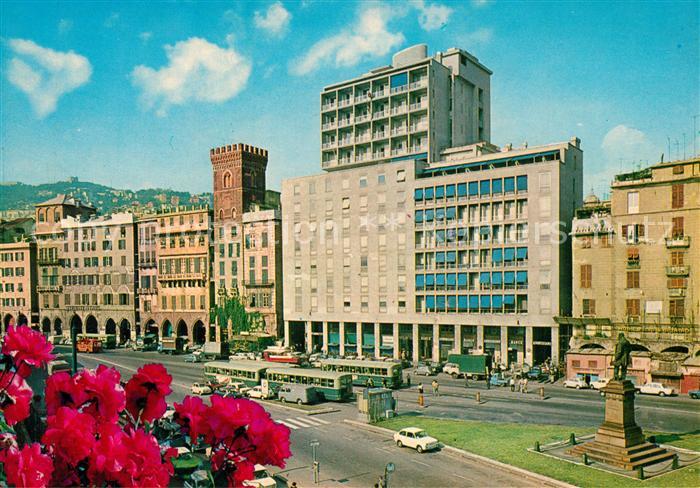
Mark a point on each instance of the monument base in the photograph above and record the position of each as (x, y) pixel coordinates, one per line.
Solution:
(619, 441)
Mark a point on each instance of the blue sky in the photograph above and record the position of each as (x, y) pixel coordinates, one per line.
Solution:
(134, 94)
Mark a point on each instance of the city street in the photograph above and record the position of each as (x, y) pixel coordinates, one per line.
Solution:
(348, 456)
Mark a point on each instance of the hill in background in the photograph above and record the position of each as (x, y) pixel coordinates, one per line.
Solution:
(15, 196)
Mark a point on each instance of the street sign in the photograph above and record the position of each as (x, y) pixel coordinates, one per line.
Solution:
(390, 467)
(314, 443)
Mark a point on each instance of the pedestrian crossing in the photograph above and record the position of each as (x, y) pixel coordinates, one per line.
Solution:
(303, 422)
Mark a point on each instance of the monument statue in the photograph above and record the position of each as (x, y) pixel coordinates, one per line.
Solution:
(622, 359)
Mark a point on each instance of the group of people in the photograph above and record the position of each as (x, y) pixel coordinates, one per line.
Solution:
(434, 384)
(520, 383)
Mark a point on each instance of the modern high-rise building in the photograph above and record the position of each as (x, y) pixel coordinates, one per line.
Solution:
(414, 108)
(634, 260)
(453, 247)
(247, 232)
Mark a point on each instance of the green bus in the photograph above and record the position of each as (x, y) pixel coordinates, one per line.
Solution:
(249, 372)
(381, 373)
(109, 341)
(330, 385)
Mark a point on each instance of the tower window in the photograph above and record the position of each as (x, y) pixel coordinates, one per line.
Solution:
(228, 180)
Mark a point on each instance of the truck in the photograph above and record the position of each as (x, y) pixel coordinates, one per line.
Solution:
(89, 344)
(473, 366)
(149, 342)
(215, 350)
(173, 345)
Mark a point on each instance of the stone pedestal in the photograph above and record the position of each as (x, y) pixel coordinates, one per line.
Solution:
(619, 441)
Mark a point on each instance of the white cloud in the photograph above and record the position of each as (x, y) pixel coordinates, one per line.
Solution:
(145, 36)
(197, 70)
(480, 3)
(64, 26)
(432, 16)
(368, 38)
(627, 143)
(275, 20)
(479, 37)
(45, 75)
(112, 20)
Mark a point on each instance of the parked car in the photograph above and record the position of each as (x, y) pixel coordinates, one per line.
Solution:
(578, 383)
(57, 365)
(600, 383)
(656, 389)
(535, 373)
(694, 394)
(201, 389)
(415, 438)
(195, 357)
(261, 478)
(300, 394)
(239, 387)
(498, 380)
(424, 370)
(256, 392)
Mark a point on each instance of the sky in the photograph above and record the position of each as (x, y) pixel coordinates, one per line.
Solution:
(134, 94)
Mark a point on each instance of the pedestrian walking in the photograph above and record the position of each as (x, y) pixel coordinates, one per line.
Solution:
(408, 380)
(511, 382)
(466, 381)
(525, 385)
(520, 385)
(420, 388)
(436, 388)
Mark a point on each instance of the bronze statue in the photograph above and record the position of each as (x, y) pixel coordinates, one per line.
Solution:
(622, 359)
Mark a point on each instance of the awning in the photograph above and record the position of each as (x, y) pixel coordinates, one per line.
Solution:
(497, 256)
(439, 257)
(522, 253)
(485, 277)
(450, 190)
(473, 302)
(429, 279)
(509, 299)
(452, 279)
(509, 277)
(521, 277)
(485, 301)
(451, 256)
(510, 253)
(440, 279)
(497, 278)
(497, 301)
(462, 279)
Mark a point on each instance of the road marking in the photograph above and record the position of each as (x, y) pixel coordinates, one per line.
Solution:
(458, 476)
(422, 463)
(311, 421)
(317, 419)
(288, 425)
(305, 422)
(295, 422)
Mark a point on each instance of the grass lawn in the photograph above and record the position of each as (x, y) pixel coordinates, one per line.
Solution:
(508, 443)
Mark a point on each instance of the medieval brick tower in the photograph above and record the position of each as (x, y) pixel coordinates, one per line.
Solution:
(239, 180)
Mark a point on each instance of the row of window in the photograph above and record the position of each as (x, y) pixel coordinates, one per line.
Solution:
(10, 287)
(345, 183)
(13, 302)
(95, 279)
(11, 272)
(93, 262)
(496, 186)
(182, 302)
(181, 220)
(507, 256)
(173, 243)
(466, 281)
(182, 265)
(92, 299)
(472, 303)
(11, 256)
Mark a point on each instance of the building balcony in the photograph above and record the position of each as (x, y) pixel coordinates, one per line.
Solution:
(418, 84)
(49, 288)
(362, 98)
(328, 106)
(346, 102)
(418, 106)
(329, 126)
(399, 151)
(259, 284)
(329, 162)
(399, 89)
(633, 264)
(347, 141)
(346, 160)
(678, 241)
(147, 291)
(361, 118)
(345, 122)
(399, 131)
(676, 292)
(329, 145)
(147, 264)
(182, 276)
(677, 270)
(363, 138)
(381, 135)
(380, 93)
(422, 147)
(380, 114)
(420, 127)
(49, 262)
(378, 155)
(362, 157)
(401, 109)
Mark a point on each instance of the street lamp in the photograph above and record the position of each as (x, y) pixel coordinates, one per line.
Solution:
(316, 467)
(74, 345)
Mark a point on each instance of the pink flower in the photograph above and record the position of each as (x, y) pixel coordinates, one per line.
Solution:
(106, 397)
(143, 465)
(191, 414)
(28, 467)
(108, 457)
(15, 398)
(146, 392)
(28, 348)
(271, 441)
(229, 415)
(71, 434)
(64, 390)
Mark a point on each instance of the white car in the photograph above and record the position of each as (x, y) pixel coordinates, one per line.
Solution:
(600, 383)
(261, 478)
(577, 383)
(256, 392)
(201, 389)
(415, 438)
(656, 389)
